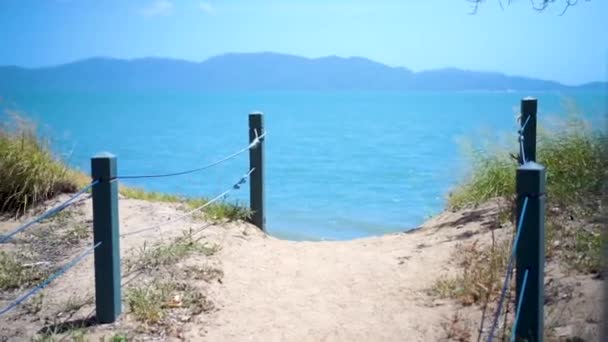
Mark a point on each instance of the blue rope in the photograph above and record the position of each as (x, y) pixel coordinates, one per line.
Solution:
(521, 147)
(521, 140)
(521, 130)
(42, 285)
(49, 213)
(509, 271)
(253, 144)
(521, 300)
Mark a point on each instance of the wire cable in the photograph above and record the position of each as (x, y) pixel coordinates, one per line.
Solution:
(42, 285)
(253, 144)
(236, 186)
(49, 213)
(520, 302)
(509, 271)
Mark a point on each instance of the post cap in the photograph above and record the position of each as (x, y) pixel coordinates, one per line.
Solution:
(104, 155)
(529, 98)
(256, 112)
(103, 166)
(531, 179)
(530, 166)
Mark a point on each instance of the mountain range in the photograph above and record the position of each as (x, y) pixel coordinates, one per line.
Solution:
(261, 71)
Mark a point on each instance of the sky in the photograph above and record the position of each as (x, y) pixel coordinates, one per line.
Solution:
(417, 34)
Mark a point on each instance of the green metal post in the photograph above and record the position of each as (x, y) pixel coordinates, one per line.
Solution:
(106, 231)
(529, 107)
(256, 162)
(530, 253)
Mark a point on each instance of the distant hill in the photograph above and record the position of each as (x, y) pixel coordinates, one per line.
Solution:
(259, 71)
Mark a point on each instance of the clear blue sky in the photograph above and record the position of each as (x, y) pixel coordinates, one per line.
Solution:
(418, 34)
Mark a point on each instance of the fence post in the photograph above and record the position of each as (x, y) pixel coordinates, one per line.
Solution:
(530, 253)
(105, 230)
(529, 107)
(256, 162)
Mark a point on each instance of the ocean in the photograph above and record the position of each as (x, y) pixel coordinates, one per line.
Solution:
(339, 165)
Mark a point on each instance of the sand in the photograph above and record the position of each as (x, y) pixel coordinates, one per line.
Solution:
(371, 289)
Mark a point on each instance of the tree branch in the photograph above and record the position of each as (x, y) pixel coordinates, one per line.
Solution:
(536, 5)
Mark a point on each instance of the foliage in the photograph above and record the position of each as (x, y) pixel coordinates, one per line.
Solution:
(30, 173)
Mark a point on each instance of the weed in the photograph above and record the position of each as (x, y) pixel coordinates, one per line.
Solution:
(215, 211)
(76, 302)
(150, 303)
(76, 233)
(456, 329)
(206, 273)
(170, 253)
(79, 335)
(480, 274)
(587, 253)
(34, 305)
(119, 338)
(13, 274)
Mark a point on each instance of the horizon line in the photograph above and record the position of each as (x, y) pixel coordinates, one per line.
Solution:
(134, 59)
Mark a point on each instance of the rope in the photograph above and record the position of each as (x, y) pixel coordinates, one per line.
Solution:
(49, 213)
(521, 130)
(253, 144)
(509, 271)
(520, 302)
(521, 147)
(42, 285)
(521, 140)
(236, 186)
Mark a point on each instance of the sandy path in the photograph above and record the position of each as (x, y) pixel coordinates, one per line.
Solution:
(371, 289)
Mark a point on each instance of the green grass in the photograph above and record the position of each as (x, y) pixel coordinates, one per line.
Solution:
(29, 171)
(216, 211)
(153, 196)
(30, 174)
(14, 275)
(573, 154)
(575, 158)
(151, 303)
(167, 254)
(221, 210)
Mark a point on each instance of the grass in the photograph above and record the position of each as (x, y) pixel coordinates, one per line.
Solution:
(481, 272)
(216, 211)
(169, 253)
(221, 210)
(29, 171)
(455, 328)
(206, 273)
(573, 154)
(586, 256)
(31, 174)
(153, 196)
(151, 303)
(119, 338)
(76, 302)
(76, 233)
(575, 157)
(14, 275)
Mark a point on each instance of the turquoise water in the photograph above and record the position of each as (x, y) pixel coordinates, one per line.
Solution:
(340, 165)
